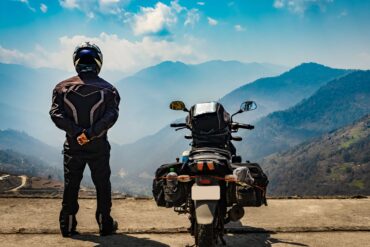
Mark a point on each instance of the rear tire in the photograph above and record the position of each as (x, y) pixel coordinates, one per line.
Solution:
(205, 236)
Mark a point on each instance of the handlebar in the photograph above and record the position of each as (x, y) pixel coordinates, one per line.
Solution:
(236, 138)
(178, 125)
(242, 126)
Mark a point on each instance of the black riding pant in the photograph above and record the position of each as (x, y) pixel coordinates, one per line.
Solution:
(74, 166)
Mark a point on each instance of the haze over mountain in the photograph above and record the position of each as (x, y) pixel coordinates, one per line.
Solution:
(25, 99)
(281, 92)
(337, 163)
(16, 163)
(337, 103)
(147, 94)
(167, 144)
(21, 142)
(334, 105)
(25, 94)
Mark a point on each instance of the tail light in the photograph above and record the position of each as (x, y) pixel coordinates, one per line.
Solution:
(200, 166)
(230, 178)
(210, 165)
(204, 181)
(184, 178)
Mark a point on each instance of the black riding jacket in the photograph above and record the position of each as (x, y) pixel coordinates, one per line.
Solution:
(85, 103)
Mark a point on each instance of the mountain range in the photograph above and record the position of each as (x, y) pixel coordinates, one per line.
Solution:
(167, 144)
(25, 95)
(147, 94)
(21, 142)
(301, 104)
(334, 105)
(12, 162)
(337, 163)
(281, 92)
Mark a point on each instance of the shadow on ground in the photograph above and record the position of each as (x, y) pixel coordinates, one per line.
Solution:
(256, 237)
(118, 240)
(257, 240)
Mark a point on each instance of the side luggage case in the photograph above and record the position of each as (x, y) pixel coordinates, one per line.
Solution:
(252, 195)
(163, 195)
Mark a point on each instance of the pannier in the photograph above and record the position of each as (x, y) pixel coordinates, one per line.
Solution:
(164, 195)
(210, 125)
(250, 195)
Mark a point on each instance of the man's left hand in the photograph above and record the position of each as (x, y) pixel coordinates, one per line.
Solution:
(82, 139)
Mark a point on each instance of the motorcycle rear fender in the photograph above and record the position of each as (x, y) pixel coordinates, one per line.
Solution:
(205, 211)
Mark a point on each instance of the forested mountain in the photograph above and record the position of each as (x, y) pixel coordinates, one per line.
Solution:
(334, 105)
(21, 142)
(12, 162)
(283, 91)
(337, 163)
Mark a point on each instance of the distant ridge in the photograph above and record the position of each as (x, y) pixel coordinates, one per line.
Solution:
(283, 91)
(147, 93)
(23, 143)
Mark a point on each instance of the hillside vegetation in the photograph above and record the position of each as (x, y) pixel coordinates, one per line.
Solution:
(12, 162)
(337, 163)
(283, 91)
(334, 105)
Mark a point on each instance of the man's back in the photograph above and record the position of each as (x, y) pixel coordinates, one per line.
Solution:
(90, 103)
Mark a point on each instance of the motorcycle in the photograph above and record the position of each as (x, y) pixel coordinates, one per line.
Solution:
(206, 185)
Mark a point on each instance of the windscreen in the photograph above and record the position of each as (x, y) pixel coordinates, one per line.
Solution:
(203, 108)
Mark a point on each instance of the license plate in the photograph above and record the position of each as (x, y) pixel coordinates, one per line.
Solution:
(199, 193)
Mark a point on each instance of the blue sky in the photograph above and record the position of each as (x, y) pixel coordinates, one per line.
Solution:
(136, 34)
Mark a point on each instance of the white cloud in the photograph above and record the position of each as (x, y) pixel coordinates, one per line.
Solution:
(92, 7)
(212, 21)
(239, 28)
(43, 8)
(157, 19)
(119, 54)
(300, 6)
(69, 4)
(278, 4)
(176, 6)
(114, 7)
(26, 2)
(109, 1)
(192, 17)
(14, 56)
(201, 3)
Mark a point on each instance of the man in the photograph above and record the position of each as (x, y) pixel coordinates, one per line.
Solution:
(85, 107)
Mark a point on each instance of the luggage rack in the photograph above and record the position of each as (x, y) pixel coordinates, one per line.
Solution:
(210, 151)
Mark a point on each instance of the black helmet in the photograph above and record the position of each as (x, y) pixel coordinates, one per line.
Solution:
(87, 57)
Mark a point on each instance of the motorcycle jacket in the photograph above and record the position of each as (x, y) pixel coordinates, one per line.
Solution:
(85, 104)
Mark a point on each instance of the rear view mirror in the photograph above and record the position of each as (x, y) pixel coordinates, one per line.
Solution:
(248, 106)
(178, 106)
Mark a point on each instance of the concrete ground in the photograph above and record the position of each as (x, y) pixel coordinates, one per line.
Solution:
(292, 222)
